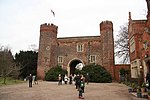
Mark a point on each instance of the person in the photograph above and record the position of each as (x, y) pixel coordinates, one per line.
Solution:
(83, 80)
(77, 80)
(81, 88)
(148, 80)
(30, 80)
(70, 79)
(73, 78)
(33, 79)
(59, 79)
(66, 79)
(87, 78)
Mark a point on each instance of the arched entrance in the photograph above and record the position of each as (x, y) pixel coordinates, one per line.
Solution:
(73, 64)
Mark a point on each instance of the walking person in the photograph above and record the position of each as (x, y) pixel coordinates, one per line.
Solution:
(30, 80)
(81, 88)
(82, 85)
(33, 79)
(77, 81)
(66, 79)
(70, 79)
(59, 79)
(73, 78)
(87, 78)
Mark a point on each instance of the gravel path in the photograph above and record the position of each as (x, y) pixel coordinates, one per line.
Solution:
(51, 91)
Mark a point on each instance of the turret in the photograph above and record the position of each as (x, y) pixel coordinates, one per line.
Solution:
(106, 26)
(47, 49)
(48, 28)
(106, 31)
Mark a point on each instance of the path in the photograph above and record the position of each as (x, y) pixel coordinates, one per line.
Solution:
(51, 91)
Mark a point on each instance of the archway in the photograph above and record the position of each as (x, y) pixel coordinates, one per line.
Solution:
(73, 64)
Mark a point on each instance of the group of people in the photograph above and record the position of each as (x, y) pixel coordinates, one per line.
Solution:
(32, 80)
(78, 80)
(65, 80)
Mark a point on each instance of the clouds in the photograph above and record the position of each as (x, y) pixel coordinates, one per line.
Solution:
(20, 20)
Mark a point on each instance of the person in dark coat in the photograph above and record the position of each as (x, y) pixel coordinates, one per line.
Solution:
(81, 87)
(30, 80)
(77, 81)
(59, 79)
(87, 78)
(70, 79)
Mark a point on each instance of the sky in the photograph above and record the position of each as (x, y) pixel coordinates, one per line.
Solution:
(20, 20)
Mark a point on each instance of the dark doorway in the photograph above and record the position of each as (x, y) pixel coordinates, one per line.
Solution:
(73, 65)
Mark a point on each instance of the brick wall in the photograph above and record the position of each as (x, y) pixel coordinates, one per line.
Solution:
(117, 69)
(51, 47)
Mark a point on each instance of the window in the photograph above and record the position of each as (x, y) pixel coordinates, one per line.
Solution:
(92, 59)
(60, 59)
(135, 68)
(80, 47)
(132, 45)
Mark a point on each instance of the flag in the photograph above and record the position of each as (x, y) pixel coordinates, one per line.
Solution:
(79, 66)
(53, 13)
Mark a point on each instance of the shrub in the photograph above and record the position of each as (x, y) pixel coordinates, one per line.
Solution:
(122, 71)
(52, 74)
(97, 73)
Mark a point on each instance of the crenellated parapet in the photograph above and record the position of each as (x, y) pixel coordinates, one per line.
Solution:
(106, 26)
(47, 27)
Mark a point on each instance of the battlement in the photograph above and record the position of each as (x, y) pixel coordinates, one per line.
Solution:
(106, 22)
(47, 27)
(106, 25)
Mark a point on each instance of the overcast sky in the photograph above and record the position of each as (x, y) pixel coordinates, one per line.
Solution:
(20, 20)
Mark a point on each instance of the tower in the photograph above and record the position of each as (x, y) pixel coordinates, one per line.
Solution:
(106, 30)
(47, 57)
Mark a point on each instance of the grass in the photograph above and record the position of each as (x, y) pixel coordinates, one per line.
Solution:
(9, 81)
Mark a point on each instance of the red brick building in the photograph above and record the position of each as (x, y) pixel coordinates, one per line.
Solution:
(70, 51)
(139, 43)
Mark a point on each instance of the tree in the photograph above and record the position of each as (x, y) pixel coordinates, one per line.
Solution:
(52, 74)
(7, 65)
(96, 72)
(27, 61)
(121, 45)
(33, 47)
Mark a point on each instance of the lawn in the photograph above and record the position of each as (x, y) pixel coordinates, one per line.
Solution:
(9, 81)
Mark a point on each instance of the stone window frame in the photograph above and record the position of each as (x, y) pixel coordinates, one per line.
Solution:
(92, 58)
(135, 68)
(80, 47)
(60, 59)
(132, 44)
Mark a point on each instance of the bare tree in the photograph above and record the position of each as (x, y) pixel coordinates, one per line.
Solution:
(7, 65)
(121, 45)
(33, 47)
